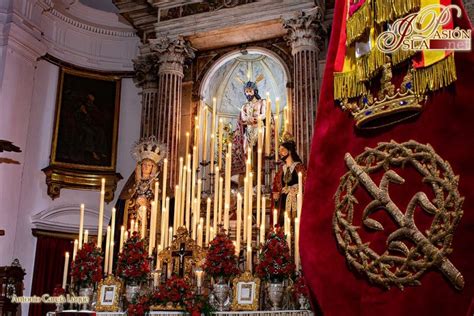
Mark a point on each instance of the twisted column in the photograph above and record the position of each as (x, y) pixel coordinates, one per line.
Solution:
(304, 35)
(172, 54)
(146, 78)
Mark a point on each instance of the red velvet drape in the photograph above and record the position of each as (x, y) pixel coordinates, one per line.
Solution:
(48, 269)
(447, 124)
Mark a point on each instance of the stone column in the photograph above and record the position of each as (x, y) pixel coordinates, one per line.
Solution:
(304, 36)
(146, 78)
(172, 54)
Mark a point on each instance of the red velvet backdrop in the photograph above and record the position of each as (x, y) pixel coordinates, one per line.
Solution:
(447, 124)
(48, 270)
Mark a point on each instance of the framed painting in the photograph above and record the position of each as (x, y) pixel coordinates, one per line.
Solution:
(108, 295)
(246, 292)
(84, 144)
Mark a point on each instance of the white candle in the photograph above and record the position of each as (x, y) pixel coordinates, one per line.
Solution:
(74, 252)
(132, 226)
(245, 208)
(204, 130)
(188, 191)
(249, 258)
(212, 151)
(195, 220)
(122, 235)
(125, 237)
(152, 232)
(81, 225)
(299, 200)
(220, 140)
(101, 214)
(221, 183)
(228, 165)
(276, 140)
(165, 171)
(158, 261)
(288, 238)
(144, 219)
(199, 233)
(208, 220)
(66, 266)
(193, 179)
(259, 184)
(111, 256)
(162, 229)
(249, 229)
(239, 222)
(268, 111)
(86, 236)
(264, 212)
(297, 241)
(107, 250)
(182, 188)
(167, 220)
(212, 233)
(275, 217)
(198, 202)
(187, 144)
(216, 198)
(112, 230)
(262, 233)
(182, 204)
(226, 218)
(177, 194)
(170, 236)
(199, 273)
(250, 210)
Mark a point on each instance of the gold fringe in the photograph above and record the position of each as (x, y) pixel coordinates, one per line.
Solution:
(368, 64)
(346, 85)
(358, 23)
(401, 55)
(436, 76)
(389, 10)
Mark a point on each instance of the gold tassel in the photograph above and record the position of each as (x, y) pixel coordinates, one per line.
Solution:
(389, 10)
(401, 55)
(358, 23)
(436, 76)
(368, 64)
(346, 85)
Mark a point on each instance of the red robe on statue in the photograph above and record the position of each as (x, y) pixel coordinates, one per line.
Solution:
(446, 124)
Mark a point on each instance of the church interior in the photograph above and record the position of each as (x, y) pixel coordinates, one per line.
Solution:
(236, 157)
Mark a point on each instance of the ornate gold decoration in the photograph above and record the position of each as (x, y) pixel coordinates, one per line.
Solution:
(410, 253)
(112, 282)
(192, 254)
(149, 148)
(246, 279)
(390, 106)
(168, 307)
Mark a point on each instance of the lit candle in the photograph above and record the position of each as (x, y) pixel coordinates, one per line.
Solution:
(277, 132)
(112, 230)
(216, 198)
(122, 235)
(86, 236)
(81, 225)
(101, 214)
(239, 222)
(165, 171)
(208, 220)
(182, 188)
(268, 119)
(220, 143)
(144, 219)
(221, 183)
(204, 130)
(275, 217)
(66, 266)
(170, 236)
(107, 250)
(74, 252)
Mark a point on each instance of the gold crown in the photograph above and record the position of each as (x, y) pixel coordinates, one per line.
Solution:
(390, 106)
(149, 148)
(286, 137)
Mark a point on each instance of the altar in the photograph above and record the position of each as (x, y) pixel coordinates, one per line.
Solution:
(248, 313)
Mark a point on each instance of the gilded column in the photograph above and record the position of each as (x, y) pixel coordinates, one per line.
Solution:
(146, 78)
(304, 36)
(172, 54)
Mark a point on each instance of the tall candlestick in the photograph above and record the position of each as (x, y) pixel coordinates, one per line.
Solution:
(188, 191)
(112, 230)
(107, 250)
(228, 165)
(268, 119)
(122, 235)
(212, 151)
(167, 220)
(183, 196)
(165, 172)
(221, 183)
(81, 225)
(66, 266)
(259, 184)
(204, 130)
(111, 256)
(101, 214)
(177, 194)
(151, 242)
(239, 222)
(250, 210)
(74, 252)
(216, 198)
(221, 141)
(86, 236)
(277, 133)
(208, 220)
(246, 193)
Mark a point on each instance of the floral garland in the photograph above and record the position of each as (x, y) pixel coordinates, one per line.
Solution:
(132, 263)
(86, 269)
(220, 259)
(275, 261)
(175, 290)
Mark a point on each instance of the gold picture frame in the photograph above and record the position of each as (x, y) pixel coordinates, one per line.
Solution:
(108, 294)
(246, 289)
(84, 142)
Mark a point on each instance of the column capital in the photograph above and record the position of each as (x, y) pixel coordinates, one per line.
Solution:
(305, 31)
(146, 70)
(173, 52)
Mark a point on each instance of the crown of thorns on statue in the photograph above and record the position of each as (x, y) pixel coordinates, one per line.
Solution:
(251, 84)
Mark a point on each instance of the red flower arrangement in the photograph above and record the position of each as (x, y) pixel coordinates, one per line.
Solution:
(132, 263)
(300, 288)
(58, 290)
(220, 259)
(139, 306)
(275, 261)
(175, 290)
(86, 269)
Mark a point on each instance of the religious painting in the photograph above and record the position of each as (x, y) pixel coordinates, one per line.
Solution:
(84, 144)
(246, 292)
(108, 295)
(85, 134)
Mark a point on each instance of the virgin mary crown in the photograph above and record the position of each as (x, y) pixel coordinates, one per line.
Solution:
(149, 148)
